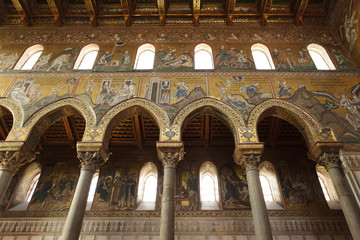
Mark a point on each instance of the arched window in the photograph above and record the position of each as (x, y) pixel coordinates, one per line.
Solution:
(270, 187)
(320, 57)
(262, 57)
(87, 57)
(327, 188)
(209, 187)
(29, 57)
(147, 189)
(25, 188)
(92, 190)
(145, 56)
(203, 57)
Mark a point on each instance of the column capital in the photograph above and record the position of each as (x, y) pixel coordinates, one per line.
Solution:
(251, 162)
(170, 153)
(91, 155)
(329, 160)
(90, 161)
(14, 155)
(246, 150)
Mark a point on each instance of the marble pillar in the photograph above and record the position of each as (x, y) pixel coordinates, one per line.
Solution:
(89, 161)
(258, 207)
(351, 212)
(169, 156)
(10, 163)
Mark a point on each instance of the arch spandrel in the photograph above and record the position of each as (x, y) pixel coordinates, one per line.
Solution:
(124, 110)
(306, 124)
(23, 132)
(235, 120)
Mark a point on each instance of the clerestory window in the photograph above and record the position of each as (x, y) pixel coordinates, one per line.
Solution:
(262, 57)
(29, 57)
(320, 57)
(203, 57)
(209, 187)
(147, 188)
(87, 57)
(145, 56)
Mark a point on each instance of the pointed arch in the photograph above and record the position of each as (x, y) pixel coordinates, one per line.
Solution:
(46, 116)
(29, 57)
(124, 110)
(307, 125)
(16, 111)
(228, 114)
(87, 57)
(327, 187)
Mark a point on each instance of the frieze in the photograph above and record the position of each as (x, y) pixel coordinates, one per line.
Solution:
(182, 225)
(243, 34)
(178, 74)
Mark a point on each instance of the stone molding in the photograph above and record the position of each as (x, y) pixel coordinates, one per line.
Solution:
(170, 153)
(350, 162)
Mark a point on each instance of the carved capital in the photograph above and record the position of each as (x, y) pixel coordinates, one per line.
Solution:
(329, 160)
(90, 161)
(251, 162)
(170, 153)
(13, 160)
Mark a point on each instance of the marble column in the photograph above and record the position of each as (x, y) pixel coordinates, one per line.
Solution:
(258, 207)
(169, 155)
(10, 163)
(89, 162)
(351, 212)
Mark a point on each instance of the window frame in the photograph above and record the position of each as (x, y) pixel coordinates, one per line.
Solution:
(209, 169)
(92, 47)
(265, 50)
(207, 48)
(141, 49)
(316, 48)
(26, 55)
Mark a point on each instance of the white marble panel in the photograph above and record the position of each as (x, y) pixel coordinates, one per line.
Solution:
(8, 238)
(89, 238)
(116, 237)
(129, 238)
(101, 237)
(199, 238)
(241, 237)
(36, 238)
(283, 237)
(297, 237)
(339, 237)
(49, 238)
(324, 237)
(227, 237)
(310, 237)
(213, 237)
(22, 238)
(142, 237)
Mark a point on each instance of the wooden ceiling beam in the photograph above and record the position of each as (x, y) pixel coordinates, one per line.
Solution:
(93, 12)
(264, 8)
(275, 131)
(207, 131)
(196, 12)
(161, 5)
(300, 10)
(126, 7)
(69, 131)
(73, 128)
(229, 8)
(56, 11)
(137, 130)
(23, 11)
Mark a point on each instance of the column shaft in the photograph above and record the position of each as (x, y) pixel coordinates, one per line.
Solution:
(76, 213)
(346, 201)
(167, 221)
(5, 179)
(258, 207)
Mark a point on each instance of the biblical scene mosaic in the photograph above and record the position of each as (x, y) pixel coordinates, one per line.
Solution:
(334, 102)
(55, 188)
